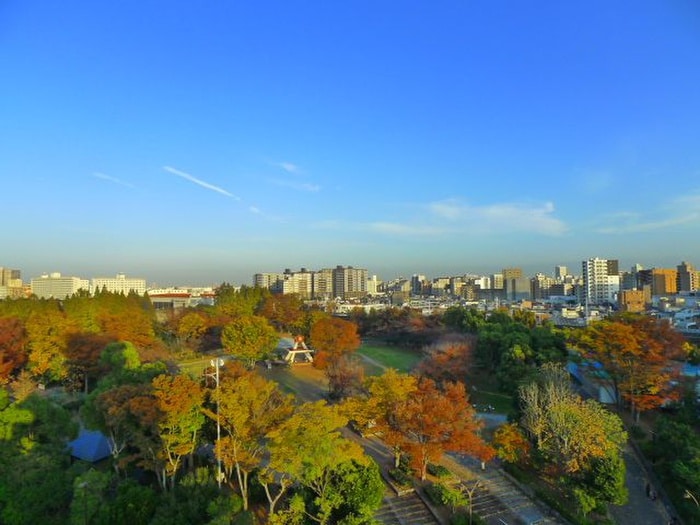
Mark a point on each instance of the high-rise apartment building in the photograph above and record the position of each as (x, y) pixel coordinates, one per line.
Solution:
(560, 272)
(660, 281)
(323, 284)
(512, 273)
(118, 284)
(601, 281)
(54, 285)
(300, 283)
(270, 281)
(418, 284)
(343, 282)
(9, 277)
(10, 283)
(688, 278)
(349, 282)
(373, 284)
(497, 281)
(542, 286)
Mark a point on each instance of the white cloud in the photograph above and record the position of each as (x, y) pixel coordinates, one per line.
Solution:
(500, 218)
(289, 167)
(641, 227)
(114, 180)
(200, 182)
(300, 186)
(452, 218)
(679, 211)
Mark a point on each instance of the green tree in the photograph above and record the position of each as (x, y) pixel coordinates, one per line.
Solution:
(243, 301)
(249, 337)
(35, 474)
(578, 439)
(309, 448)
(462, 319)
(249, 406)
(89, 491)
(360, 488)
(120, 356)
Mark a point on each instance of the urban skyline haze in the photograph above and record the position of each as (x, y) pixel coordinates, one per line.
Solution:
(199, 143)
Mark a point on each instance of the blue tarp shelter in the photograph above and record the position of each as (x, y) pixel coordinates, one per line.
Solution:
(90, 445)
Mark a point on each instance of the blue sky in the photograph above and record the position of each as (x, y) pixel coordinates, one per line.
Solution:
(197, 142)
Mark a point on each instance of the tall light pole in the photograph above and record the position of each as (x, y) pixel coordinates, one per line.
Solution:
(216, 363)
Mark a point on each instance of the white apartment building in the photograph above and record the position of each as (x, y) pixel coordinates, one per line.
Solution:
(54, 285)
(118, 284)
(323, 284)
(300, 283)
(268, 280)
(601, 281)
(373, 285)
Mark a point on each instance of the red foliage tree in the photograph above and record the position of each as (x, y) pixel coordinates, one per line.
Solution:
(435, 421)
(13, 339)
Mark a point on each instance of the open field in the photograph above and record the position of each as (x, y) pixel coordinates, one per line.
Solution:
(389, 357)
(483, 393)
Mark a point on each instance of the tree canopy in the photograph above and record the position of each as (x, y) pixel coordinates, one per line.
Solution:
(635, 352)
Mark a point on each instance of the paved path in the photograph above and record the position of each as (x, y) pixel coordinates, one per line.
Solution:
(640, 509)
(499, 500)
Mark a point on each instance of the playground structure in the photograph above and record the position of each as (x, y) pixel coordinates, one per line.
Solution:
(299, 353)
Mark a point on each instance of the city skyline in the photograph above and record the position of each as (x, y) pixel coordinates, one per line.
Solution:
(199, 144)
(575, 271)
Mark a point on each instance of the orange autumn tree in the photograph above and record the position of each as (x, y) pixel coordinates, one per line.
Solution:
(636, 352)
(450, 359)
(179, 400)
(334, 340)
(512, 446)
(434, 421)
(285, 311)
(377, 411)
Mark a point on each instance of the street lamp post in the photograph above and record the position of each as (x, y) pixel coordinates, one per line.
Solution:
(84, 486)
(216, 363)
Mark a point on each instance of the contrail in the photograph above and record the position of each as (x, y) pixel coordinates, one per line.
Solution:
(199, 182)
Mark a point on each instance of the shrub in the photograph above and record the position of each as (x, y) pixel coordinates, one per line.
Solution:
(400, 477)
(439, 471)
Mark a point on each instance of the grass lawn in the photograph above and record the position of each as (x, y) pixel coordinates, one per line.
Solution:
(390, 357)
(483, 391)
(194, 368)
(501, 403)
